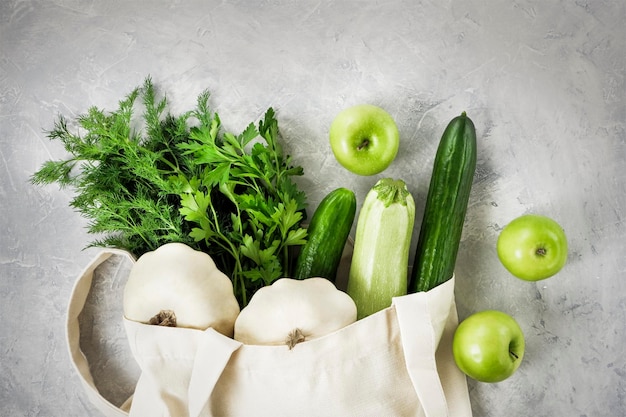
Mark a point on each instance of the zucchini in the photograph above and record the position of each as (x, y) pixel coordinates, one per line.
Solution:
(379, 267)
(446, 204)
(327, 235)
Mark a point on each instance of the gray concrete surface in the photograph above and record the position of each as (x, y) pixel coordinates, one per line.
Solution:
(543, 82)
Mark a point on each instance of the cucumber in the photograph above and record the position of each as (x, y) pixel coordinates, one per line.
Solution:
(379, 267)
(446, 205)
(327, 235)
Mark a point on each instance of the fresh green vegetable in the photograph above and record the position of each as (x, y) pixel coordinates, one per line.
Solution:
(379, 268)
(178, 179)
(327, 235)
(446, 204)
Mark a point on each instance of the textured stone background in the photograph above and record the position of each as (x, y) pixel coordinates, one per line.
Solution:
(543, 82)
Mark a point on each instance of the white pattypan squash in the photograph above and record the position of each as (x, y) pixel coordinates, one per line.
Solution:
(178, 285)
(291, 311)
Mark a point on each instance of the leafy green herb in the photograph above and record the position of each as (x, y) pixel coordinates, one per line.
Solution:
(179, 179)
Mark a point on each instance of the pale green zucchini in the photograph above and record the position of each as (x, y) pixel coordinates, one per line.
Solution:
(379, 265)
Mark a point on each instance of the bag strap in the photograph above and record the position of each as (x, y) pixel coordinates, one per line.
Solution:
(420, 342)
(214, 353)
(78, 297)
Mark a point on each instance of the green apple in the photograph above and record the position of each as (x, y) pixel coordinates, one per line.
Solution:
(364, 139)
(488, 346)
(532, 247)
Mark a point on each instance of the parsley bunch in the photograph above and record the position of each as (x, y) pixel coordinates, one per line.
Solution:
(180, 179)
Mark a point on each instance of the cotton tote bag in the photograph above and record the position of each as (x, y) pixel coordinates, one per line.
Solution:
(397, 362)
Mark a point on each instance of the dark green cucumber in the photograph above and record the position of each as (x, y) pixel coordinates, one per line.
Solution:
(446, 205)
(327, 236)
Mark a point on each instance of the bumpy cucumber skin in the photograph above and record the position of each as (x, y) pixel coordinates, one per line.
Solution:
(446, 205)
(379, 268)
(327, 235)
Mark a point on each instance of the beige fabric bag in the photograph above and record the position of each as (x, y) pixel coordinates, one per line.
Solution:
(397, 362)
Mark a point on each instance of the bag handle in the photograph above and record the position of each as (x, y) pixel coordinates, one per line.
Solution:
(78, 297)
(214, 354)
(420, 342)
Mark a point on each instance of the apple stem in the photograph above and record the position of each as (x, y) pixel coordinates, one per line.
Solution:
(363, 144)
(513, 354)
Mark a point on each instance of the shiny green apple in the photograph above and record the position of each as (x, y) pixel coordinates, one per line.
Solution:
(488, 346)
(532, 247)
(364, 139)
